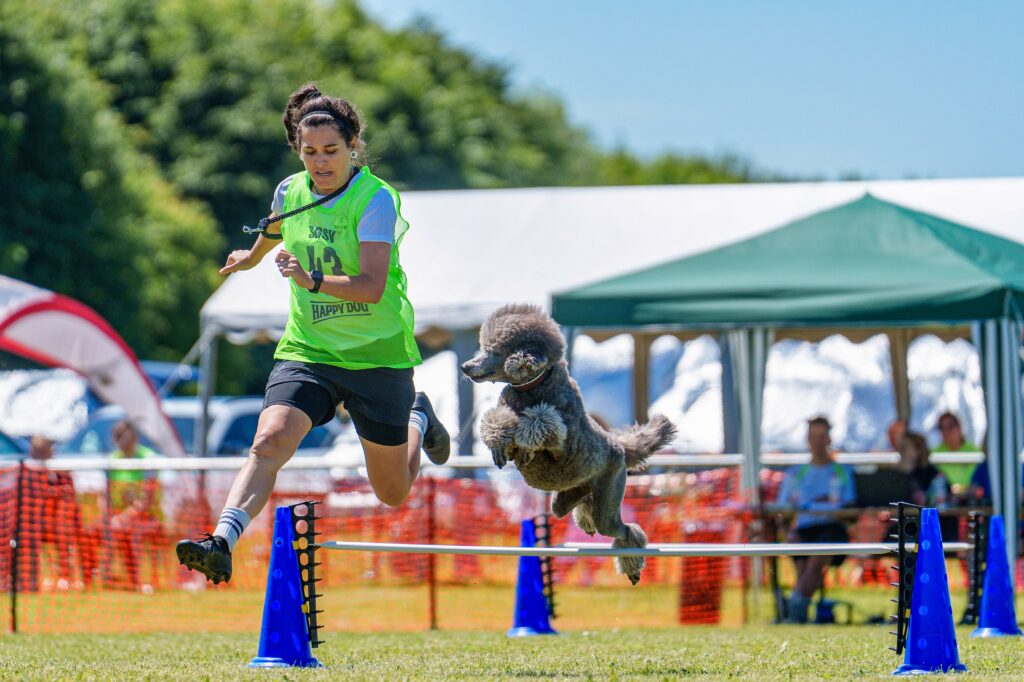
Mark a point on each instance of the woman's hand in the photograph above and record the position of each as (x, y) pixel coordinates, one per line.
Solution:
(290, 267)
(237, 260)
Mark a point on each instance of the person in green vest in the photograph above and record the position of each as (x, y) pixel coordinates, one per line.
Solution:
(133, 493)
(958, 475)
(126, 438)
(349, 337)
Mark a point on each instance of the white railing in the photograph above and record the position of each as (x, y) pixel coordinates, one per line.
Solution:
(93, 463)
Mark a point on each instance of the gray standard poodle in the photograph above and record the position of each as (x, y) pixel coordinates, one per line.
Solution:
(540, 424)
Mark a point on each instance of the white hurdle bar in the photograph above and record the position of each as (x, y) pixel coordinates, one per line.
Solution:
(654, 550)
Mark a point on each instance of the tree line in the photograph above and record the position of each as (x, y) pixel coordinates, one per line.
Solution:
(137, 136)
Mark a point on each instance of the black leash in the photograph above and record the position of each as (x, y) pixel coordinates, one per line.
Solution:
(264, 223)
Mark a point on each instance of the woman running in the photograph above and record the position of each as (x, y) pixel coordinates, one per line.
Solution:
(349, 338)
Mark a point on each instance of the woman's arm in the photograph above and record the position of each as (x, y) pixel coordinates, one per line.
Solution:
(366, 287)
(245, 259)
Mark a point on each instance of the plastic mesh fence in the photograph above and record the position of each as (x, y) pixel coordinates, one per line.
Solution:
(92, 554)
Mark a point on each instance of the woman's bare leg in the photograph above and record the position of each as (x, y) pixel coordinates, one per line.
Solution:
(281, 428)
(278, 434)
(393, 468)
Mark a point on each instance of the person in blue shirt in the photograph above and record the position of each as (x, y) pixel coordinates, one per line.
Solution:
(821, 485)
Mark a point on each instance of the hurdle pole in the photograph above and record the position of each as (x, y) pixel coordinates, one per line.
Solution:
(653, 550)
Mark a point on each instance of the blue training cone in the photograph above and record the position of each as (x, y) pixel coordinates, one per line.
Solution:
(531, 616)
(284, 637)
(931, 641)
(998, 612)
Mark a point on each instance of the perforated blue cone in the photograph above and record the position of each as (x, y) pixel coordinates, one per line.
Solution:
(998, 612)
(284, 637)
(531, 615)
(931, 641)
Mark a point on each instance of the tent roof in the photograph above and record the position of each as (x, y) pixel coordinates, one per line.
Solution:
(61, 332)
(867, 261)
(470, 251)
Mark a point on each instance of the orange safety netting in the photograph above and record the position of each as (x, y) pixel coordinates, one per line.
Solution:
(97, 555)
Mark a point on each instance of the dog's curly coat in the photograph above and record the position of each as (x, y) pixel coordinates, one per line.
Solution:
(541, 425)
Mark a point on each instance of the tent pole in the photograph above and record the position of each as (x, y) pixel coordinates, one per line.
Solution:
(899, 343)
(1009, 363)
(464, 344)
(570, 334)
(207, 367)
(641, 375)
(730, 411)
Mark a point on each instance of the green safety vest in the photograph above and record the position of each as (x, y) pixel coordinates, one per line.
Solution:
(128, 476)
(837, 470)
(332, 331)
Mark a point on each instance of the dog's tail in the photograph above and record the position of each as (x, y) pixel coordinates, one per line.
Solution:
(642, 440)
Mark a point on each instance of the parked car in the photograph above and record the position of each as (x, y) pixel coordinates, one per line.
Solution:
(232, 426)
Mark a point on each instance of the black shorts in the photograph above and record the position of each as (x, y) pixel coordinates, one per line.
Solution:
(829, 533)
(379, 399)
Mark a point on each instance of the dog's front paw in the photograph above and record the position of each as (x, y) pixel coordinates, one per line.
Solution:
(540, 426)
(500, 456)
(496, 431)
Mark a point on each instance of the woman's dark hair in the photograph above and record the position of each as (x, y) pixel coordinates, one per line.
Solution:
(920, 446)
(308, 107)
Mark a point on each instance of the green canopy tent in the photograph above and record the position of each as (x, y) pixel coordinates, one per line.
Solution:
(867, 264)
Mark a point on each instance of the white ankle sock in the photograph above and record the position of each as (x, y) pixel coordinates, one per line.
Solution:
(418, 421)
(233, 522)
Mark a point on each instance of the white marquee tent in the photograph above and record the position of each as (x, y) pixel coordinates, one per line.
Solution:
(470, 251)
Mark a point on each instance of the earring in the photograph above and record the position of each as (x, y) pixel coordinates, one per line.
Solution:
(355, 154)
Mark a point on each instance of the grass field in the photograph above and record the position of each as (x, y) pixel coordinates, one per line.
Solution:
(378, 633)
(754, 652)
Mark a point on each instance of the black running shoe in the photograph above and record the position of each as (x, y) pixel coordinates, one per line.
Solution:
(209, 555)
(436, 441)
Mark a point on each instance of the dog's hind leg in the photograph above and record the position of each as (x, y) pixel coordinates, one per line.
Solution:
(609, 489)
(583, 515)
(565, 500)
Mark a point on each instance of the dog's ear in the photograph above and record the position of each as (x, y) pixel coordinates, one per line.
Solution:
(524, 365)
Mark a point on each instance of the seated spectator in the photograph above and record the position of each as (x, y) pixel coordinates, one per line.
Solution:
(928, 485)
(821, 485)
(896, 431)
(958, 475)
(979, 492)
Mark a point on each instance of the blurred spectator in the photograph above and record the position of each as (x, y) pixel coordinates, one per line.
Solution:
(980, 489)
(958, 475)
(896, 431)
(134, 509)
(133, 493)
(49, 515)
(928, 485)
(822, 485)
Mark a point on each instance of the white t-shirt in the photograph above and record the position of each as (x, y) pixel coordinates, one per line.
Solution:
(378, 221)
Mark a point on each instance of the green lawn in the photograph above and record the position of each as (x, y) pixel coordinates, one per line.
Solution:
(752, 652)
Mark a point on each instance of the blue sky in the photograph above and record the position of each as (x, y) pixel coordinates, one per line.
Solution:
(883, 89)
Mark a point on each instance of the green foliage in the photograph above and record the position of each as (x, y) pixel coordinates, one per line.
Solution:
(85, 213)
(127, 124)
